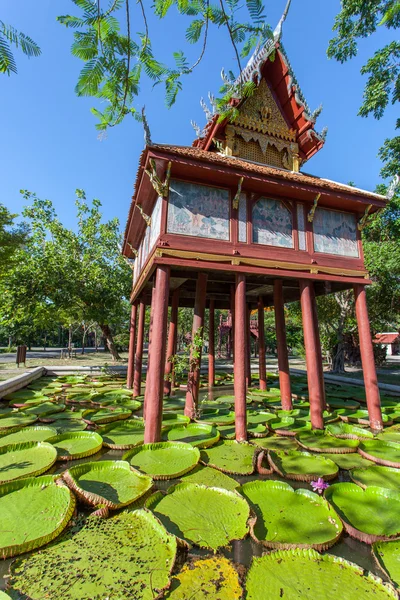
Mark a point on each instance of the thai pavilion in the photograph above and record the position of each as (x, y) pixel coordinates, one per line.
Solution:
(234, 222)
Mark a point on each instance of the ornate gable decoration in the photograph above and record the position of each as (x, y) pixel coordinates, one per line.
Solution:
(261, 134)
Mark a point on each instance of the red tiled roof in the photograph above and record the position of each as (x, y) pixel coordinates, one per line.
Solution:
(387, 338)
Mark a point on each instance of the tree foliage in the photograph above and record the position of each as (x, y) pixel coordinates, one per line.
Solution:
(360, 19)
(9, 37)
(68, 276)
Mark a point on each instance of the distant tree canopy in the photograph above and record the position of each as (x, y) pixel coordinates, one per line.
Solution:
(66, 276)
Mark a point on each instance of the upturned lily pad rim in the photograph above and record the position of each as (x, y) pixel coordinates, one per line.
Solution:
(181, 446)
(155, 498)
(273, 455)
(29, 446)
(28, 429)
(279, 556)
(363, 450)
(113, 416)
(349, 431)
(45, 480)
(321, 547)
(354, 532)
(71, 477)
(83, 435)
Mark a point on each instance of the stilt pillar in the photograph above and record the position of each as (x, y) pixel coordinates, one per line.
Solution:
(155, 371)
(261, 346)
(248, 348)
(171, 345)
(211, 345)
(232, 335)
(316, 388)
(137, 382)
(131, 356)
(367, 359)
(240, 357)
(283, 359)
(192, 393)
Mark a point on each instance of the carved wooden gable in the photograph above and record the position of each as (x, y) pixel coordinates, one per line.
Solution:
(260, 132)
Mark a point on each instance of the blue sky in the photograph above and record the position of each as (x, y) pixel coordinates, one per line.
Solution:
(49, 142)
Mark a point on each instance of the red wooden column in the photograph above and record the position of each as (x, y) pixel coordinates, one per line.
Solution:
(131, 357)
(367, 359)
(156, 367)
(248, 353)
(211, 345)
(316, 388)
(240, 357)
(137, 382)
(261, 345)
(232, 338)
(171, 345)
(283, 360)
(192, 393)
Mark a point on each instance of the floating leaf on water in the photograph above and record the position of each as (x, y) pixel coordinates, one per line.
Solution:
(381, 453)
(387, 555)
(303, 574)
(113, 483)
(386, 477)
(302, 466)
(368, 515)
(122, 435)
(211, 478)
(288, 518)
(76, 444)
(206, 516)
(106, 415)
(129, 555)
(210, 578)
(164, 460)
(33, 512)
(25, 460)
(235, 458)
(200, 435)
(318, 441)
(28, 434)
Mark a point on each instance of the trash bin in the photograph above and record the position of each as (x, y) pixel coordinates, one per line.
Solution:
(21, 355)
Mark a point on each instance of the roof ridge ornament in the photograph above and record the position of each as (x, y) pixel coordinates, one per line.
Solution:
(278, 28)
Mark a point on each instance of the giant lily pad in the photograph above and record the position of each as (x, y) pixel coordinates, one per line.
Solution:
(113, 483)
(347, 431)
(369, 515)
(129, 555)
(288, 518)
(206, 579)
(164, 460)
(387, 554)
(23, 394)
(359, 416)
(230, 457)
(304, 574)
(302, 466)
(217, 417)
(348, 461)
(276, 442)
(68, 425)
(11, 423)
(45, 409)
(342, 403)
(32, 513)
(196, 434)
(122, 435)
(25, 460)
(172, 420)
(106, 415)
(76, 444)
(28, 434)
(211, 478)
(316, 441)
(206, 516)
(385, 477)
(381, 453)
(289, 426)
(392, 434)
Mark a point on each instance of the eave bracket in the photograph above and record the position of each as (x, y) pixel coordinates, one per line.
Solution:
(236, 199)
(311, 214)
(162, 188)
(363, 221)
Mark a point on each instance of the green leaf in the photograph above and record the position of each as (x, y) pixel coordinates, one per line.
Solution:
(164, 460)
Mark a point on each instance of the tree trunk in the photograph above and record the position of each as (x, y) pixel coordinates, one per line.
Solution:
(83, 342)
(110, 341)
(338, 359)
(70, 341)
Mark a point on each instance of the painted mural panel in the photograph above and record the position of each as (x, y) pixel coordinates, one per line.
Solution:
(242, 214)
(335, 232)
(155, 222)
(301, 226)
(272, 223)
(198, 210)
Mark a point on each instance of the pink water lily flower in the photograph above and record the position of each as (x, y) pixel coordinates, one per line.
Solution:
(319, 486)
